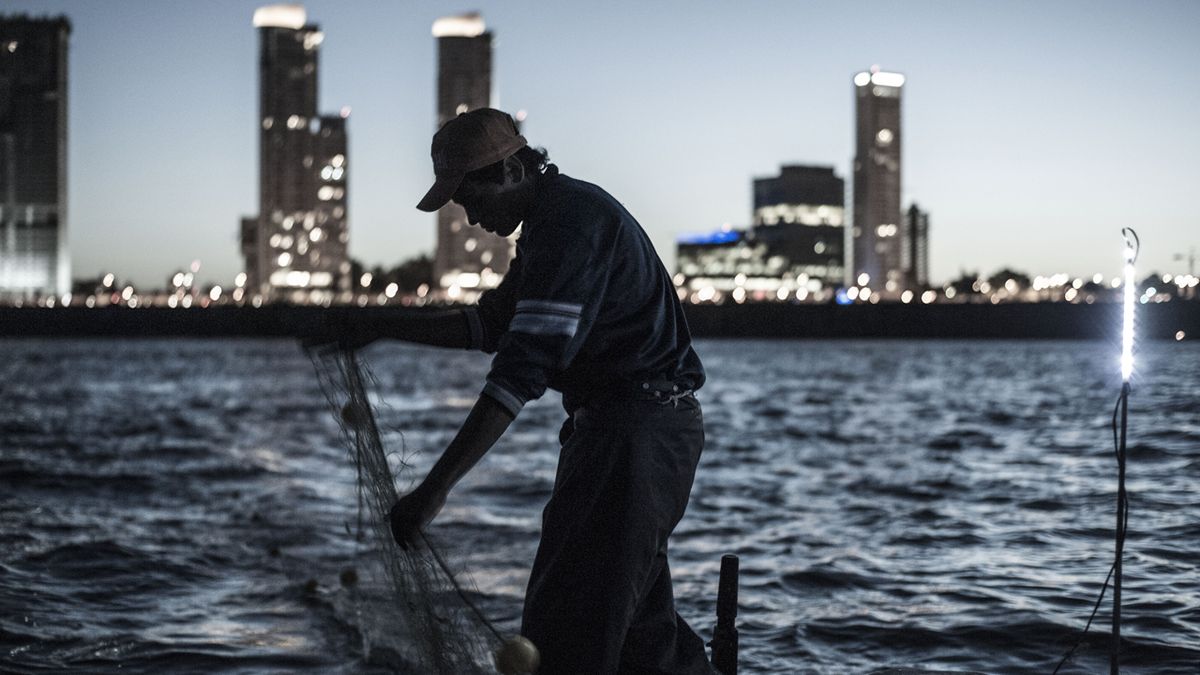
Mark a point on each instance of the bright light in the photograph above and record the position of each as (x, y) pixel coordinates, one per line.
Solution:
(1130, 292)
(365, 279)
(240, 280)
(391, 289)
(109, 279)
(862, 79)
(885, 79)
(280, 16)
(1179, 335)
(215, 293)
(906, 297)
(466, 25)
(928, 296)
(864, 279)
(313, 40)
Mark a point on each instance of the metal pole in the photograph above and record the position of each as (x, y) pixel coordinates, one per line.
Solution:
(1114, 658)
(725, 636)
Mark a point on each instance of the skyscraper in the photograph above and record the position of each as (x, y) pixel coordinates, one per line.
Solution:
(801, 216)
(916, 224)
(297, 245)
(879, 232)
(33, 156)
(466, 257)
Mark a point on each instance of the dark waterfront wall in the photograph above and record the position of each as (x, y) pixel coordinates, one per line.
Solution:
(767, 320)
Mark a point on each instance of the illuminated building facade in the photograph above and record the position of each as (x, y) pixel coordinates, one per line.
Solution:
(794, 249)
(34, 259)
(800, 215)
(879, 233)
(916, 261)
(466, 257)
(297, 247)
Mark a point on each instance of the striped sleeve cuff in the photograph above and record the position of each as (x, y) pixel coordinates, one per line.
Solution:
(475, 325)
(504, 397)
(542, 317)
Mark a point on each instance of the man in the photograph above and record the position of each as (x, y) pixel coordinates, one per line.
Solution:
(586, 308)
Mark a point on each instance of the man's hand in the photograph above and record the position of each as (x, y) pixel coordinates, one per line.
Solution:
(413, 512)
(337, 329)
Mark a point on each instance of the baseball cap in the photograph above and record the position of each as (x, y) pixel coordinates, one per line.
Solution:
(468, 142)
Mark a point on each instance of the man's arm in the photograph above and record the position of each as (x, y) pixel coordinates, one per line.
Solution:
(484, 425)
(352, 328)
(443, 328)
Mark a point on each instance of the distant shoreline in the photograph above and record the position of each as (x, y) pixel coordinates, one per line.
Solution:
(1060, 320)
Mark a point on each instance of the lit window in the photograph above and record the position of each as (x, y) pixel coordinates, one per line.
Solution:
(470, 244)
(884, 137)
(338, 160)
(316, 234)
(285, 259)
(325, 193)
(268, 122)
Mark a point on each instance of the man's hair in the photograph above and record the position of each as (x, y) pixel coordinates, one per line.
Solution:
(534, 159)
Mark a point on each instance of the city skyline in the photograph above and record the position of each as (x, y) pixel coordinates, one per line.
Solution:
(1032, 133)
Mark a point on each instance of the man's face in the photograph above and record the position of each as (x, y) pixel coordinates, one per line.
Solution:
(494, 207)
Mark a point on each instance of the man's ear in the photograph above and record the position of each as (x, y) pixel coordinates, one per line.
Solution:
(514, 171)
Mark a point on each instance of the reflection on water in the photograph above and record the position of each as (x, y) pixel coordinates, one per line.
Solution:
(932, 504)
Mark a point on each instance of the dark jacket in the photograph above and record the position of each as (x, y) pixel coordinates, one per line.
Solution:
(586, 307)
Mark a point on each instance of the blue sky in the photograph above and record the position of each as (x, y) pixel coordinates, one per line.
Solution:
(1033, 131)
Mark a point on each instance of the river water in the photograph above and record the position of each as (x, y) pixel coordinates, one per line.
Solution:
(185, 505)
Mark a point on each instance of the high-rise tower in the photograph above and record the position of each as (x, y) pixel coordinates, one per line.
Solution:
(466, 257)
(916, 223)
(34, 259)
(879, 232)
(298, 242)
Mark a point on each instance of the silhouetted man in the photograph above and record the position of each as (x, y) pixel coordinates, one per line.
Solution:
(586, 308)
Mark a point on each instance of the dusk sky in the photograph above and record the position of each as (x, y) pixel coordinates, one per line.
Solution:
(1033, 131)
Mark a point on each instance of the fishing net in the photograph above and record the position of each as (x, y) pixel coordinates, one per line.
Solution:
(424, 617)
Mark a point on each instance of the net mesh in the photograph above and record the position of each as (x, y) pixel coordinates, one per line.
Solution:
(427, 622)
